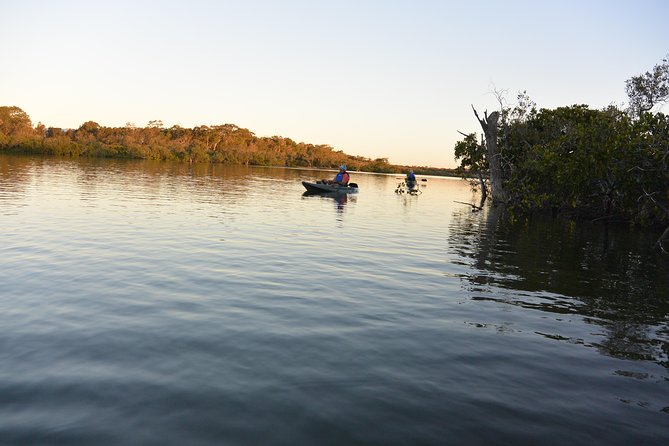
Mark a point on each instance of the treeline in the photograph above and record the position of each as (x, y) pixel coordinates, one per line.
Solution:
(227, 143)
(604, 165)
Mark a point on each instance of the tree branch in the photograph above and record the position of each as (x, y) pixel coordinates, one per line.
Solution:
(663, 238)
(655, 202)
(476, 208)
(482, 122)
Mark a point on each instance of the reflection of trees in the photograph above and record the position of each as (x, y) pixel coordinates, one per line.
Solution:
(149, 180)
(610, 275)
(14, 177)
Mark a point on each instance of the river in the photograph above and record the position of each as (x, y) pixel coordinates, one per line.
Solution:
(158, 303)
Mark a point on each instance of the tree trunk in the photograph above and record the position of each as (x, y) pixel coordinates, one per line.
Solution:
(489, 126)
(484, 189)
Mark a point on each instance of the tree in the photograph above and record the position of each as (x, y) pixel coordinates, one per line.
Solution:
(493, 156)
(91, 127)
(14, 122)
(647, 90)
(473, 161)
(495, 145)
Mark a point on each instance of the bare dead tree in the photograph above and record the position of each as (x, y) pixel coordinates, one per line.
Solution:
(489, 126)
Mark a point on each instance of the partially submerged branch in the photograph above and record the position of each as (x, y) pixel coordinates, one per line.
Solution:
(474, 207)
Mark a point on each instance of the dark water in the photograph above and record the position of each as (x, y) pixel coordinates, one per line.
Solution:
(149, 303)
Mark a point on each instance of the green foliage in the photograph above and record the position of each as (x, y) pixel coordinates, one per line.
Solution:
(471, 155)
(647, 90)
(596, 164)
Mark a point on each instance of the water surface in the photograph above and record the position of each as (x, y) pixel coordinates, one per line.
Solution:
(158, 303)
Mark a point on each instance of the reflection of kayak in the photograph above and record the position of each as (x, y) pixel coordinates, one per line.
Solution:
(321, 188)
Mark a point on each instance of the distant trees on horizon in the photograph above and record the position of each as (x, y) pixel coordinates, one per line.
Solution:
(226, 143)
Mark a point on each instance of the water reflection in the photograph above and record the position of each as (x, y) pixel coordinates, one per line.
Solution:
(177, 279)
(14, 181)
(340, 200)
(610, 276)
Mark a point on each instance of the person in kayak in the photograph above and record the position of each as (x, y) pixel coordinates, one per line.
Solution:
(342, 178)
(411, 178)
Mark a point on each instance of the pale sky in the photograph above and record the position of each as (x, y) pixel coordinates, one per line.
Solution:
(391, 79)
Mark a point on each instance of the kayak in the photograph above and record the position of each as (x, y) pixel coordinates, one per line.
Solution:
(322, 188)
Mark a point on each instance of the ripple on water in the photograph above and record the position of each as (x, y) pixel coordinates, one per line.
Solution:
(167, 303)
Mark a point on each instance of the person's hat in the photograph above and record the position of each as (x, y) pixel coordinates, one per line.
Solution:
(342, 167)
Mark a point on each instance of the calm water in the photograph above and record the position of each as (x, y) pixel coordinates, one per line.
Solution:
(155, 303)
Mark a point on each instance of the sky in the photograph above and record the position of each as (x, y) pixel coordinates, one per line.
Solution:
(381, 79)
